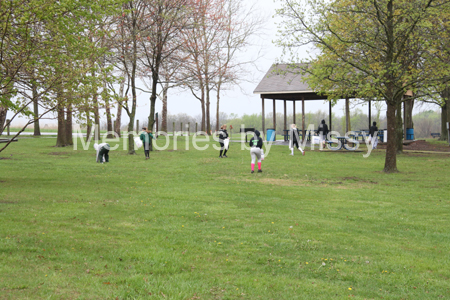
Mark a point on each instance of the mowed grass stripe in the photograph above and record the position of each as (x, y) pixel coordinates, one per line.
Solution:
(187, 224)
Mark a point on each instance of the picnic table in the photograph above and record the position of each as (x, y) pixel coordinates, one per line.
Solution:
(381, 135)
(343, 144)
(286, 134)
(359, 134)
(363, 133)
(314, 133)
(356, 135)
(436, 134)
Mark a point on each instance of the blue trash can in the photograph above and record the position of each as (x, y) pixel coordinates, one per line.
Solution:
(410, 133)
(270, 135)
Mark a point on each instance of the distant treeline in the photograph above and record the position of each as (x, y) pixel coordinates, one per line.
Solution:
(425, 122)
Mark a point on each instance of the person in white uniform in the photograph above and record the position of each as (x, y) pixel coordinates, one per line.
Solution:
(102, 152)
(373, 133)
(294, 139)
(224, 141)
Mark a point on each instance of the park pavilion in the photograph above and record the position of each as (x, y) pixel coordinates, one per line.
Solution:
(284, 82)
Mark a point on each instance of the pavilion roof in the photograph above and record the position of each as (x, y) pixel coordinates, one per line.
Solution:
(285, 82)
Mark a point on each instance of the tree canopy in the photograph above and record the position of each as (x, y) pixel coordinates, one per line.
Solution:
(367, 49)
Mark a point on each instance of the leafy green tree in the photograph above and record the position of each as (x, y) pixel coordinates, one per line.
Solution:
(48, 40)
(371, 50)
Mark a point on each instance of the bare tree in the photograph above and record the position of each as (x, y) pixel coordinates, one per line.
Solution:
(241, 23)
(127, 39)
(203, 45)
(164, 20)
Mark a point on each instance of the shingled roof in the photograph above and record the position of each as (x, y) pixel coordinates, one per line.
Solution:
(285, 82)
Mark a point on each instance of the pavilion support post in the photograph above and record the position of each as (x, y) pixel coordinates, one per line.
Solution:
(263, 117)
(370, 114)
(285, 115)
(303, 117)
(293, 108)
(274, 117)
(404, 119)
(330, 117)
(347, 115)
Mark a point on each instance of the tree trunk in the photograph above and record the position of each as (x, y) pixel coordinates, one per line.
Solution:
(3, 112)
(118, 123)
(444, 120)
(133, 92)
(4, 108)
(131, 116)
(217, 109)
(96, 114)
(164, 108)
(61, 137)
(399, 128)
(68, 125)
(445, 114)
(37, 128)
(96, 120)
(88, 123)
(119, 106)
(347, 115)
(448, 113)
(208, 102)
(131, 136)
(109, 125)
(409, 106)
(155, 79)
(390, 164)
(202, 102)
(208, 111)
(151, 116)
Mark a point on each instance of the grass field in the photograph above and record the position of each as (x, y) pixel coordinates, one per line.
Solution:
(188, 225)
(30, 129)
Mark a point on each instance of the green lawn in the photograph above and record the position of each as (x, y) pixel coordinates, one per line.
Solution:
(188, 225)
(436, 141)
(30, 129)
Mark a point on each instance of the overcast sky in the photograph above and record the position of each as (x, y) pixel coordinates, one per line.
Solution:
(239, 100)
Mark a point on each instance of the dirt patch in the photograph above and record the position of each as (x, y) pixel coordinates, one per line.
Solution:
(418, 154)
(358, 183)
(58, 153)
(5, 158)
(8, 202)
(344, 187)
(291, 182)
(209, 160)
(339, 151)
(359, 180)
(422, 145)
(274, 181)
(282, 182)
